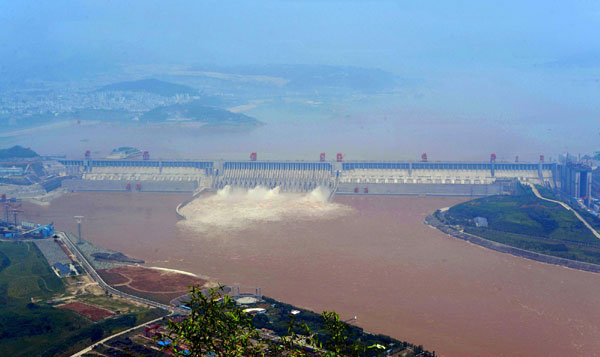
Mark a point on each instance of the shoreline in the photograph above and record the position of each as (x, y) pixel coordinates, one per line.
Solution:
(174, 271)
(433, 222)
(178, 212)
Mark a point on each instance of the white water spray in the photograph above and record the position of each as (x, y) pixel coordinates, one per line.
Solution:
(233, 209)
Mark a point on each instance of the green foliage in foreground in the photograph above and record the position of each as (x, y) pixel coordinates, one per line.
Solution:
(278, 319)
(216, 326)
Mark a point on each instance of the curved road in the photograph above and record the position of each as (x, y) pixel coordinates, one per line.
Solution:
(92, 272)
(89, 348)
(567, 207)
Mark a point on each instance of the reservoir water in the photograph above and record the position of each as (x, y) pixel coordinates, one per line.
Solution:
(369, 256)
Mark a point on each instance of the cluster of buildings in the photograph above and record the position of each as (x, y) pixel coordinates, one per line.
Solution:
(25, 105)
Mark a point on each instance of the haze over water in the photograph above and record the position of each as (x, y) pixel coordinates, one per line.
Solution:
(514, 78)
(397, 126)
(378, 262)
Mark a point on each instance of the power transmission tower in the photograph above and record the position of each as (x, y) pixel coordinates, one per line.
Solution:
(79, 220)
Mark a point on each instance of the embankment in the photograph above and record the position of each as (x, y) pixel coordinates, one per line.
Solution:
(186, 202)
(434, 222)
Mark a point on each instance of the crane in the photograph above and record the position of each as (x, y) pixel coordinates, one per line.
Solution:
(15, 212)
(9, 207)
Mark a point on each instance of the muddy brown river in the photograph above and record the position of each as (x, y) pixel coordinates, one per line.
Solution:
(378, 262)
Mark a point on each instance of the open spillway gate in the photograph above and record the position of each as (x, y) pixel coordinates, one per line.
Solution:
(288, 176)
(339, 177)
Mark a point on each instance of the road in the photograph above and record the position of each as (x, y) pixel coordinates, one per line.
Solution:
(89, 348)
(92, 272)
(567, 207)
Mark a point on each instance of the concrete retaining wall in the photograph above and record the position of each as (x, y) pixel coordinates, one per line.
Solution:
(185, 203)
(434, 222)
(407, 189)
(78, 185)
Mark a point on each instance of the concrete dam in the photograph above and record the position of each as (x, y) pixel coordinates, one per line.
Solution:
(340, 177)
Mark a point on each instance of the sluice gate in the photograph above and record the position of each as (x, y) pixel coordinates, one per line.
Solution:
(340, 177)
(288, 176)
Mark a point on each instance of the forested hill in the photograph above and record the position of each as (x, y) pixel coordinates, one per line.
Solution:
(17, 152)
(155, 86)
(195, 111)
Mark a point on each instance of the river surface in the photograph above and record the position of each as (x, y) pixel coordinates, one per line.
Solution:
(378, 261)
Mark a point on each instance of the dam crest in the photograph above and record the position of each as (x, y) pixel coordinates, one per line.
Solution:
(340, 177)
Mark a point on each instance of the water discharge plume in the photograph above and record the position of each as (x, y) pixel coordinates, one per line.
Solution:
(233, 209)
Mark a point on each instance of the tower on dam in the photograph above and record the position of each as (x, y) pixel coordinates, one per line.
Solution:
(422, 178)
(576, 181)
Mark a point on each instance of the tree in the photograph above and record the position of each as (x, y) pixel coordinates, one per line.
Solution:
(96, 333)
(216, 326)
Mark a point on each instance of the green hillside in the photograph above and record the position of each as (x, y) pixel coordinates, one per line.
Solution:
(523, 214)
(31, 327)
(28, 328)
(17, 152)
(196, 111)
(526, 222)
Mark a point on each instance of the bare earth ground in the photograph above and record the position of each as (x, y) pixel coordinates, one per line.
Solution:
(91, 312)
(160, 285)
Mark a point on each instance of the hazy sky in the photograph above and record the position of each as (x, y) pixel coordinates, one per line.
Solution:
(392, 35)
(508, 72)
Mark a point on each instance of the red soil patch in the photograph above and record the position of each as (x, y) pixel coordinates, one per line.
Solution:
(163, 298)
(92, 312)
(112, 277)
(154, 284)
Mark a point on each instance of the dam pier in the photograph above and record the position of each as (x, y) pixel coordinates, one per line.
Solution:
(409, 178)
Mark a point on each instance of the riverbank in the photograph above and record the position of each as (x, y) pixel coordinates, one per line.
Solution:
(433, 222)
(528, 222)
(380, 263)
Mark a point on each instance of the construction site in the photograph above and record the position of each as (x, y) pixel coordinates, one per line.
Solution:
(11, 227)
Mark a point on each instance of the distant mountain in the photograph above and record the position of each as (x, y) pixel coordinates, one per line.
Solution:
(582, 60)
(154, 86)
(304, 77)
(196, 111)
(17, 152)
